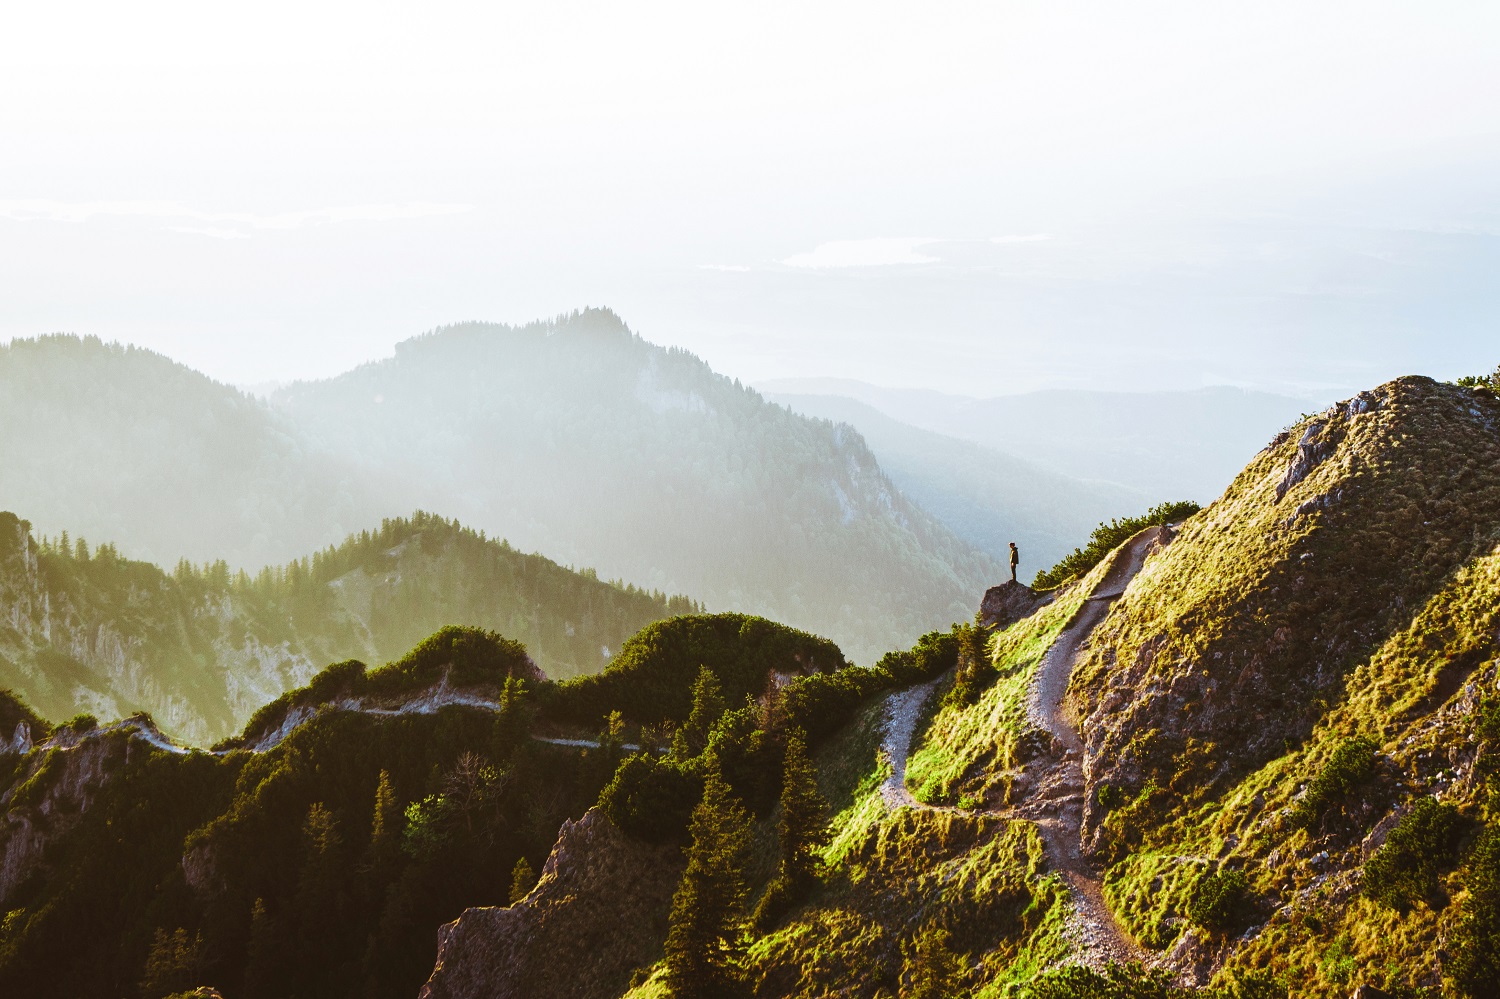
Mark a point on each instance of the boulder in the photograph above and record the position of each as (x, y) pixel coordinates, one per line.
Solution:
(1008, 603)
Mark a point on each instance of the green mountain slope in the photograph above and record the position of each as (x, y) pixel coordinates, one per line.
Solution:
(580, 439)
(1271, 775)
(1260, 752)
(200, 649)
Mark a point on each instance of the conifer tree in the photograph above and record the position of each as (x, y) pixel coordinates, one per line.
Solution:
(172, 962)
(708, 706)
(707, 926)
(385, 826)
(803, 829)
(522, 880)
(265, 959)
(320, 887)
(804, 816)
(1476, 966)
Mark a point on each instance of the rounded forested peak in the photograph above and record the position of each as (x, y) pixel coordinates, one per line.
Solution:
(652, 677)
(596, 324)
(467, 655)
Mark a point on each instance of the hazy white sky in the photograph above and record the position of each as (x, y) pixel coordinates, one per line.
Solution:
(980, 197)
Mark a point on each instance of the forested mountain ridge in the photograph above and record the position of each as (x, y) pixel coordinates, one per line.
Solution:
(580, 439)
(321, 861)
(575, 438)
(201, 648)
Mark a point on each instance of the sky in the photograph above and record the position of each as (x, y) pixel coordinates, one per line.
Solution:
(979, 198)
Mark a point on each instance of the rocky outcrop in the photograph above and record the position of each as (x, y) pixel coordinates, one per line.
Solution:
(1008, 603)
(596, 915)
(57, 788)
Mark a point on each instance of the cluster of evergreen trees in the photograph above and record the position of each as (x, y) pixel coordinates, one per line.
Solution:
(324, 865)
(711, 918)
(727, 768)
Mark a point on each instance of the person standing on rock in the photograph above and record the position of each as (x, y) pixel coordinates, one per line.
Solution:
(1015, 560)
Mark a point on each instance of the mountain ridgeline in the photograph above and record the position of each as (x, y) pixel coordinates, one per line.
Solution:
(586, 442)
(574, 438)
(202, 647)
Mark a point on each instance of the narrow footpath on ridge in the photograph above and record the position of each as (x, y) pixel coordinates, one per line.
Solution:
(1050, 792)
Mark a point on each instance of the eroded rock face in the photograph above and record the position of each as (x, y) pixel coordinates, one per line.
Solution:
(28, 827)
(1008, 603)
(597, 914)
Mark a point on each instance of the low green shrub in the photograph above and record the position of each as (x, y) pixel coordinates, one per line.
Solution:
(1220, 900)
(935, 653)
(651, 798)
(1351, 764)
(1476, 943)
(1490, 381)
(651, 680)
(471, 655)
(1406, 868)
(1119, 981)
(1106, 538)
(81, 724)
(1110, 797)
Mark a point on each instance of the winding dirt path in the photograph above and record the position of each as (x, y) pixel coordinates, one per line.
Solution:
(1053, 796)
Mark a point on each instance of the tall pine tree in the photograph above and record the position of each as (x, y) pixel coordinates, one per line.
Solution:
(803, 829)
(706, 932)
(708, 707)
(804, 815)
(385, 825)
(522, 880)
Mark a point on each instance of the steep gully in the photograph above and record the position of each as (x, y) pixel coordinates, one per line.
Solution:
(1053, 796)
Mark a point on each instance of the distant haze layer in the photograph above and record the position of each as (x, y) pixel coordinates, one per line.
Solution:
(982, 198)
(1159, 445)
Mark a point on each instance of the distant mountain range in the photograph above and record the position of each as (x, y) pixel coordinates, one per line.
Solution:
(1160, 445)
(575, 438)
(986, 497)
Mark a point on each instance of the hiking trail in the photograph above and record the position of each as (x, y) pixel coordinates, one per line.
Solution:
(1050, 792)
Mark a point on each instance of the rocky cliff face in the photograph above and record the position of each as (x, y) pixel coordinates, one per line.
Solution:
(597, 914)
(110, 637)
(54, 791)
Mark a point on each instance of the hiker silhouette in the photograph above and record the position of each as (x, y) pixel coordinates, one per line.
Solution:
(1015, 560)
